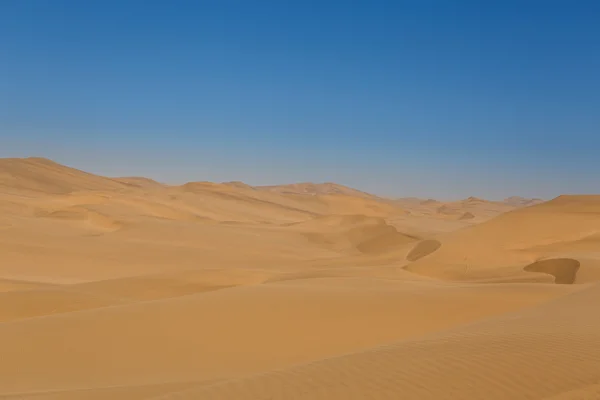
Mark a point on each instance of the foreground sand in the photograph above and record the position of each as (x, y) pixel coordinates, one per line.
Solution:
(130, 289)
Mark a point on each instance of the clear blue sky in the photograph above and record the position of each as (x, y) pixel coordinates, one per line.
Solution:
(427, 98)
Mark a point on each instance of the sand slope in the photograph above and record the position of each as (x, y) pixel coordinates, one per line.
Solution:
(42, 175)
(236, 331)
(513, 356)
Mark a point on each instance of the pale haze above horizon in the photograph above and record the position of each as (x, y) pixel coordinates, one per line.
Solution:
(428, 99)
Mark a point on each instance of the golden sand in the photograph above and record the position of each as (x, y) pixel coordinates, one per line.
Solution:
(127, 288)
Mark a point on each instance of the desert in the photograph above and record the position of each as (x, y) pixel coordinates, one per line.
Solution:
(299, 200)
(125, 288)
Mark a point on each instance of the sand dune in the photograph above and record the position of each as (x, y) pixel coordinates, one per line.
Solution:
(465, 212)
(522, 201)
(353, 232)
(508, 243)
(308, 188)
(276, 207)
(199, 337)
(42, 175)
(126, 288)
(513, 356)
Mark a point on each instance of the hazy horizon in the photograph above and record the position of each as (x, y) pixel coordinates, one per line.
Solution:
(396, 99)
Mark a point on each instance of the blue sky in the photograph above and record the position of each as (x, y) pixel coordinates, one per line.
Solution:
(441, 99)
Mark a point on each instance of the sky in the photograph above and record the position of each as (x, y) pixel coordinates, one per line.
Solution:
(443, 99)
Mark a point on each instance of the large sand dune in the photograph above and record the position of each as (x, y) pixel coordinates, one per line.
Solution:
(562, 228)
(126, 288)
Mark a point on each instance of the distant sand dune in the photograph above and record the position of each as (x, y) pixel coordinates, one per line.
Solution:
(140, 182)
(317, 189)
(369, 235)
(562, 228)
(42, 175)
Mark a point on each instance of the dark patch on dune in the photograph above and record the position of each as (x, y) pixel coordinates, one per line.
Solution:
(423, 249)
(467, 215)
(564, 270)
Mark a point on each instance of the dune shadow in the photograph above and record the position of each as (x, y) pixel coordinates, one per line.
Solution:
(422, 249)
(564, 270)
